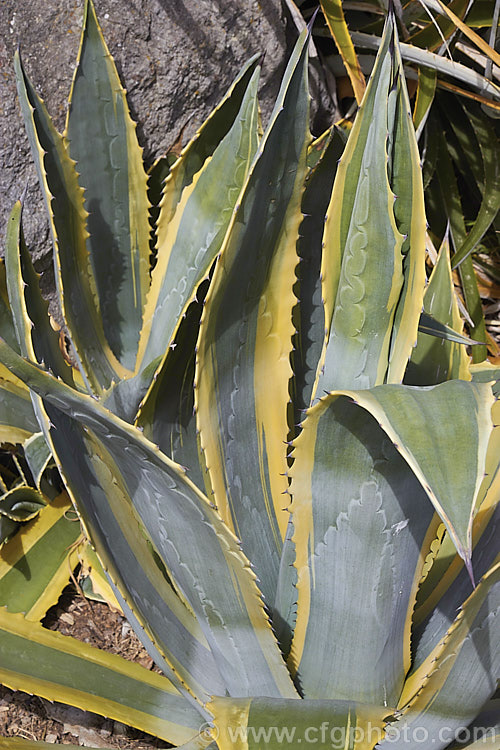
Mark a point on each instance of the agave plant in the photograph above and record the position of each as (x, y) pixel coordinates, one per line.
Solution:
(448, 52)
(326, 569)
(40, 536)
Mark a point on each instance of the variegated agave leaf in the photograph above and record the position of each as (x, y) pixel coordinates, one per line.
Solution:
(17, 418)
(433, 359)
(214, 164)
(247, 327)
(374, 229)
(37, 532)
(35, 564)
(101, 139)
(161, 508)
(307, 575)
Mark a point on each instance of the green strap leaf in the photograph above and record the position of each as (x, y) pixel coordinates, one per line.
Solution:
(448, 565)
(60, 668)
(486, 554)
(453, 210)
(67, 218)
(21, 503)
(451, 687)
(433, 327)
(7, 330)
(431, 149)
(469, 155)
(476, 39)
(490, 204)
(28, 304)
(137, 490)
(167, 416)
(246, 333)
(405, 176)
(474, 306)
(426, 425)
(190, 241)
(271, 723)
(17, 418)
(37, 454)
(334, 16)
(309, 315)
(206, 140)
(435, 360)
(427, 79)
(103, 142)
(364, 214)
(35, 564)
(161, 617)
(360, 533)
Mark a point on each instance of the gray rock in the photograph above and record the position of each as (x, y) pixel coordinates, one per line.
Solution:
(175, 57)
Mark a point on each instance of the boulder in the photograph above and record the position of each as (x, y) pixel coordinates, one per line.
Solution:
(176, 58)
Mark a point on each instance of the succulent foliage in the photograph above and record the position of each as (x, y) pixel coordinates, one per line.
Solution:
(292, 489)
(450, 53)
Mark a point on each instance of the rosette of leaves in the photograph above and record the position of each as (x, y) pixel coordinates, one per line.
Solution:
(329, 559)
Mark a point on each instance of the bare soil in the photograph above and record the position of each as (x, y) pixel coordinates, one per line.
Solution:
(34, 718)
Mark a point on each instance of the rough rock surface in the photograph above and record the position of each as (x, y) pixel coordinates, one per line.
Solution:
(176, 59)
